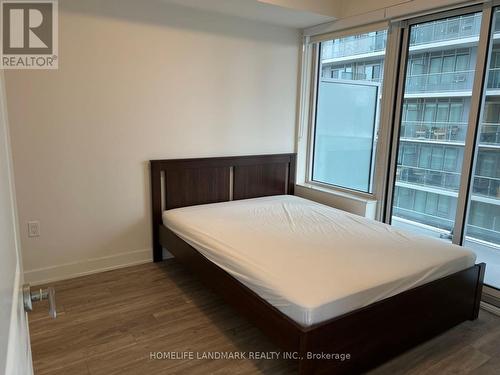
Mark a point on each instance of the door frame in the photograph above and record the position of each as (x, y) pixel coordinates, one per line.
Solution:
(16, 344)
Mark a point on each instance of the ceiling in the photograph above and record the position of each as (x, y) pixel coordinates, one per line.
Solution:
(258, 10)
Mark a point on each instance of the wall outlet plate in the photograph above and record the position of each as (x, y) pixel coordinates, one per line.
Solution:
(33, 228)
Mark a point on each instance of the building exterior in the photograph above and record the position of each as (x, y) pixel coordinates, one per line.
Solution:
(438, 89)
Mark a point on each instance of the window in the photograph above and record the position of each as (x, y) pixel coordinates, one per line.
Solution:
(420, 197)
(425, 157)
(442, 94)
(437, 158)
(486, 164)
(462, 63)
(456, 112)
(347, 109)
(444, 206)
(482, 229)
(429, 185)
(450, 159)
(409, 155)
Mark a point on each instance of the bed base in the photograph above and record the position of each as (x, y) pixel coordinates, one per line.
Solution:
(370, 335)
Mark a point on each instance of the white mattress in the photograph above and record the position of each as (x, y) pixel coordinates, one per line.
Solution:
(311, 261)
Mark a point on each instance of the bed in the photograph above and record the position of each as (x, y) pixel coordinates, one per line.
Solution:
(316, 280)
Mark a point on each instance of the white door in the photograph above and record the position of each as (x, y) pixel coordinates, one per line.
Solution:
(15, 351)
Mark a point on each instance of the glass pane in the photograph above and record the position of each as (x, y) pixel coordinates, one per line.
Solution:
(425, 195)
(451, 159)
(435, 65)
(347, 110)
(437, 158)
(456, 112)
(462, 62)
(448, 63)
(430, 112)
(482, 231)
(417, 66)
(425, 156)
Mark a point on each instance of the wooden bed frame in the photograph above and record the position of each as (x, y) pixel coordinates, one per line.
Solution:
(370, 335)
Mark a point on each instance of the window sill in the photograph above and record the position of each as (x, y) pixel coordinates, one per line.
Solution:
(352, 202)
(341, 192)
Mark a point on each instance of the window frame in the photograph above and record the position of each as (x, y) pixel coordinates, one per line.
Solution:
(310, 70)
(312, 145)
(473, 112)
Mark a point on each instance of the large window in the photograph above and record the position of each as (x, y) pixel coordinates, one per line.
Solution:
(482, 230)
(412, 117)
(434, 123)
(436, 134)
(348, 98)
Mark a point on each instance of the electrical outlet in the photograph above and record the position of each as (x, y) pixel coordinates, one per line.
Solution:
(33, 229)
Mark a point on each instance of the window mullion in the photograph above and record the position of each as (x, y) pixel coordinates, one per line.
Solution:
(473, 125)
(396, 120)
(387, 110)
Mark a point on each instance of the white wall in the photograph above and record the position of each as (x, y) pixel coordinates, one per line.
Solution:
(326, 7)
(137, 81)
(393, 8)
(351, 8)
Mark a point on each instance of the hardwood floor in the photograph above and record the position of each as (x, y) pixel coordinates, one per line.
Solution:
(110, 323)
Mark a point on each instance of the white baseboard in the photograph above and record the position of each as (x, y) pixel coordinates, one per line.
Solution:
(490, 308)
(87, 267)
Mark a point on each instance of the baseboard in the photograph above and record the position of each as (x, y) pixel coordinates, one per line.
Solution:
(490, 308)
(87, 267)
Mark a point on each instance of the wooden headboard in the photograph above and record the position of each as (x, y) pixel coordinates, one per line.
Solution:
(187, 182)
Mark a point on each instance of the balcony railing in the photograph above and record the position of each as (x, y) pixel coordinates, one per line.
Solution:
(448, 131)
(434, 131)
(352, 46)
(440, 82)
(448, 29)
(486, 186)
(357, 77)
(484, 234)
(420, 217)
(490, 133)
(494, 78)
(427, 177)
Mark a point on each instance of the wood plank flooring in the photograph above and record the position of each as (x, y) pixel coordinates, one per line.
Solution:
(110, 323)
